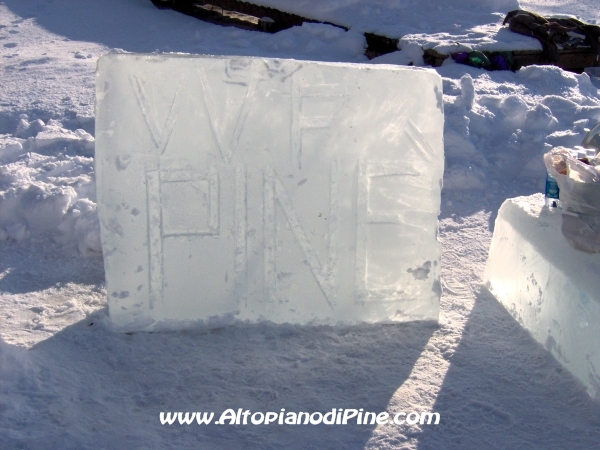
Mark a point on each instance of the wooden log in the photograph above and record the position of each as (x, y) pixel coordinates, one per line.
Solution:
(434, 58)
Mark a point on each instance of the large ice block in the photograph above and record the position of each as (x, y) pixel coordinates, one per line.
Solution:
(552, 289)
(262, 189)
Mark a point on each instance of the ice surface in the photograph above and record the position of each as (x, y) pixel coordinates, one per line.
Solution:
(262, 189)
(550, 288)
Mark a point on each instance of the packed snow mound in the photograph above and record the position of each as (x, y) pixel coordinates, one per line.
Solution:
(448, 26)
(393, 5)
(499, 124)
(378, 14)
(47, 185)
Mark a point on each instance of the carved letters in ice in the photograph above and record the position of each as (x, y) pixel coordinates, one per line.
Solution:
(263, 189)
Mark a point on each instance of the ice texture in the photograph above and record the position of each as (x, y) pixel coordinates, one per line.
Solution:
(550, 288)
(235, 188)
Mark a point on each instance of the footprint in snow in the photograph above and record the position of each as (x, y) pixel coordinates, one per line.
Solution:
(80, 55)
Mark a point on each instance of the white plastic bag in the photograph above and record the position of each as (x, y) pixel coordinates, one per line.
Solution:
(580, 198)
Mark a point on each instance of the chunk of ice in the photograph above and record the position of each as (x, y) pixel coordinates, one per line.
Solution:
(263, 189)
(550, 288)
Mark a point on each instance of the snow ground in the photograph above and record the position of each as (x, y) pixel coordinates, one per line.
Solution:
(68, 381)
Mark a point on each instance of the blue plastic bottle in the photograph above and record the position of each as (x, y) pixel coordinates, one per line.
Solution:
(551, 192)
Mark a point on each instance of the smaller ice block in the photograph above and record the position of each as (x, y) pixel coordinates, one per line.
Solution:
(550, 288)
(261, 189)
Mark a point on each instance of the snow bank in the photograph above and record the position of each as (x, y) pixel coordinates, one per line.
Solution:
(449, 26)
(47, 185)
(393, 17)
(499, 124)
